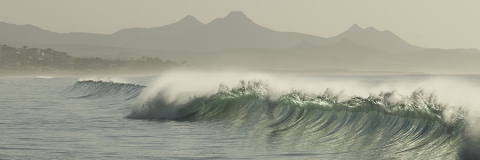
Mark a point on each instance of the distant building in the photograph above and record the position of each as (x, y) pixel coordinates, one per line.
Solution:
(26, 57)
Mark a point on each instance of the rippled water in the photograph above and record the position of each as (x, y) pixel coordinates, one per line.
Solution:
(44, 118)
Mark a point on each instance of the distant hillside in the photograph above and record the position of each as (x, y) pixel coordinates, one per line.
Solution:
(235, 30)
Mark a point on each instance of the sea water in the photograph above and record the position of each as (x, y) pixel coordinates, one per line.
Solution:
(241, 116)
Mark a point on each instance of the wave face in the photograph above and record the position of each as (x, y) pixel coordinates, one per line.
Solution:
(382, 126)
(99, 89)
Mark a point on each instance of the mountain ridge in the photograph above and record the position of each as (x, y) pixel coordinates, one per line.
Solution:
(235, 30)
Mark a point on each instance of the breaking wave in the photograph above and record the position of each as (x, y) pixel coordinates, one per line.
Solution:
(397, 126)
(383, 125)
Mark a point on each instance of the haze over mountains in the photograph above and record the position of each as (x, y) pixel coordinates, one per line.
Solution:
(237, 41)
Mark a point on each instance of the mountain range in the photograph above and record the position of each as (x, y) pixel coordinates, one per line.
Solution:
(236, 35)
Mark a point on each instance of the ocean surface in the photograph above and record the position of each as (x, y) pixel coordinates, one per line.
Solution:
(241, 116)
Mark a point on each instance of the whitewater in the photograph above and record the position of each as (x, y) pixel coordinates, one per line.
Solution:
(192, 115)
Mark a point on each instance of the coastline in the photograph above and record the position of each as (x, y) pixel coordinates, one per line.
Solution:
(73, 73)
(107, 73)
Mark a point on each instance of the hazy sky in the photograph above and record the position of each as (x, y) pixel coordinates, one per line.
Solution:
(425, 23)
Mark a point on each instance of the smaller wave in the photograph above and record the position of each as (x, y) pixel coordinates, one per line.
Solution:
(44, 77)
(111, 79)
(99, 89)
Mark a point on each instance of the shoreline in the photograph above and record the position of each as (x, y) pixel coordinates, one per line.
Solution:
(74, 73)
(82, 73)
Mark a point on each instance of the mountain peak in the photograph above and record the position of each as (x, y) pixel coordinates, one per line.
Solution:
(190, 20)
(355, 27)
(234, 18)
(371, 29)
(237, 16)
